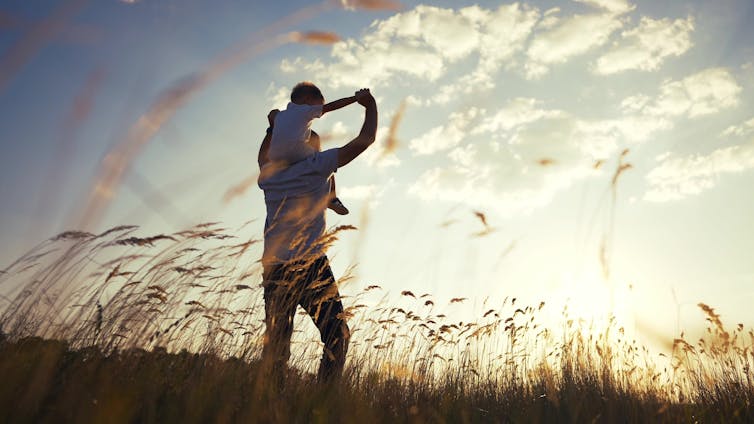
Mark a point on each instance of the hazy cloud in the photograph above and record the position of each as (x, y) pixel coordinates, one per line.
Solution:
(675, 178)
(371, 192)
(480, 186)
(447, 135)
(506, 176)
(743, 129)
(377, 155)
(519, 111)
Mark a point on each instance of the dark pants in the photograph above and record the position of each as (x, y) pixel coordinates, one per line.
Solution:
(311, 285)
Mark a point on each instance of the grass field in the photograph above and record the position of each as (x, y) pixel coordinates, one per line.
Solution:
(119, 328)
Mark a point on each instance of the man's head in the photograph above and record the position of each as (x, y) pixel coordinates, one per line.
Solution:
(306, 93)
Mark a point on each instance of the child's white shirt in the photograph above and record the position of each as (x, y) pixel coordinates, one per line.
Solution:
(290, 134)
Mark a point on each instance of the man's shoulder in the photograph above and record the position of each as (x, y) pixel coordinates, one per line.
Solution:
(301, 177)
(325, 161)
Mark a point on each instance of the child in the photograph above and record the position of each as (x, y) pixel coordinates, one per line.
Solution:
(291, 131)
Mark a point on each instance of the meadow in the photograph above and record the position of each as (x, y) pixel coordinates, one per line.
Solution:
(118, 327)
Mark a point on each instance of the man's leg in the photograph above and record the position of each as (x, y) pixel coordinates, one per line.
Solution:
(321, 301)
(279, 309)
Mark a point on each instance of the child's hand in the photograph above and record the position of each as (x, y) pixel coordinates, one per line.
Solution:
(361, 94)
(364, 97)
(271, 116)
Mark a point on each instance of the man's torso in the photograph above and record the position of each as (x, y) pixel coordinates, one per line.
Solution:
(296, 199)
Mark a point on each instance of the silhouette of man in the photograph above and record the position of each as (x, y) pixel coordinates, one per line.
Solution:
(296, 268)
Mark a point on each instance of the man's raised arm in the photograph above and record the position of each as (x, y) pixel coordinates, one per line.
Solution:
(367, 134)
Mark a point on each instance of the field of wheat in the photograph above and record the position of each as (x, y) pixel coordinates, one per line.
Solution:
(119, 327)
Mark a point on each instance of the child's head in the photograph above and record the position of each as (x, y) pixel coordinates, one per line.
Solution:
(306, 93)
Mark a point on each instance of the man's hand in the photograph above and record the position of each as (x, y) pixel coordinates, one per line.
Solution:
(271, 116)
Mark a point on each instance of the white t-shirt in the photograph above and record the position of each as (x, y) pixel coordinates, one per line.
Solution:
(296, 198)
(290, 134)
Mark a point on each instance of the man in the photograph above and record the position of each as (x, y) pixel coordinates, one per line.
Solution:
(296, 268)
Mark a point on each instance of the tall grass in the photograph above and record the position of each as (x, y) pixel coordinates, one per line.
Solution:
(115, 327)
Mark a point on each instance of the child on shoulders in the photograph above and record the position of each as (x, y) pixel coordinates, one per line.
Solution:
(290, 139)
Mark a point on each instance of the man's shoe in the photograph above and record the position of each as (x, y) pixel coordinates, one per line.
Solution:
(338, 206)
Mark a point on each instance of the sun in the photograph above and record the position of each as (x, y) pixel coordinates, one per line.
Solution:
(587, 297)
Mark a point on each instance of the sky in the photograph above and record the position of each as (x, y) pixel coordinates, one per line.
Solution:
(516, 118)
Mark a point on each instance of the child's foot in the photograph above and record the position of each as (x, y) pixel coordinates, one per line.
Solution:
(338, 206)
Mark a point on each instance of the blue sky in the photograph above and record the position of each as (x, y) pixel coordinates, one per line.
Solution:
(491, 90)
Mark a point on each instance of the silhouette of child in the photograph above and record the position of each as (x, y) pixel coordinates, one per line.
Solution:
(290, 139)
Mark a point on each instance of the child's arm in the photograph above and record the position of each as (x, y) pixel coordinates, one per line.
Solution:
(337, 104)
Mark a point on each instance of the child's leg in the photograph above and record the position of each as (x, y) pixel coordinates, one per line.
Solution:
(335, 203)
(316, 143)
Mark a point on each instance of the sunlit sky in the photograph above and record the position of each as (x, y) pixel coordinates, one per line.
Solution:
(519, 111)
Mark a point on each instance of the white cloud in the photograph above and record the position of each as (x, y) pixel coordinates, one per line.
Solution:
(448, 135)
(741, 130)
(507, 175)
(426, 43)
(504, 34)
(647, 46)
(371, 65)
(614, 6)
(706, 92)
(277, 97)
(418, 43)
(495, 159)
(422, 43)
(454, 35)
(567, 38)
(678, 177)
(292, 66)
(464, 156)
